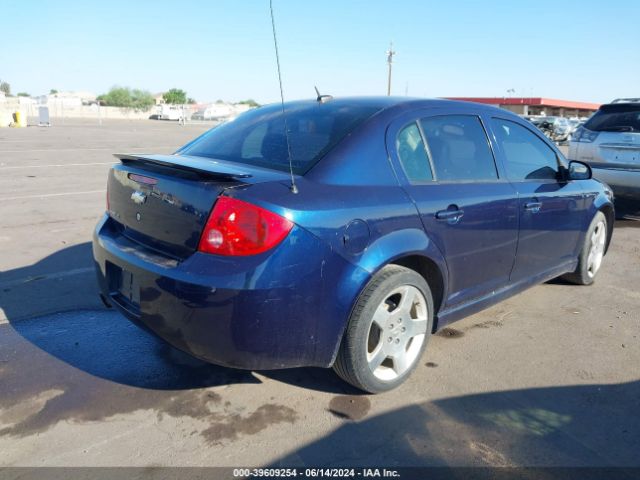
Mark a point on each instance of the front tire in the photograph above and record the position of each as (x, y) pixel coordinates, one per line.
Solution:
(593, 249)
(387, 332)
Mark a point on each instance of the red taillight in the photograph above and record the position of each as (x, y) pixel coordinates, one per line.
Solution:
(240, 228)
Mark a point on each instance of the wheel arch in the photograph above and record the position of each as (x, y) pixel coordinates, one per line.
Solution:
(610, 215)
(412, 249)
(603, 204)
(430, 271)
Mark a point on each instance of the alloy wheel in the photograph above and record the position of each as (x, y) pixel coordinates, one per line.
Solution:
(596, 250)
(397, 332)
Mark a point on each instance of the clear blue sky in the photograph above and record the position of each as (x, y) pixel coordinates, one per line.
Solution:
(576, 50)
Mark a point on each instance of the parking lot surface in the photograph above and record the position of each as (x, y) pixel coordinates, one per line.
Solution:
(550, 377)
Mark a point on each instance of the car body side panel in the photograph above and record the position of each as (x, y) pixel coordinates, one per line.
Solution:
(486, 235)
(550, 236)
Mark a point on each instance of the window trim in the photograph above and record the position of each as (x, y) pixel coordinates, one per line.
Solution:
(425, 144)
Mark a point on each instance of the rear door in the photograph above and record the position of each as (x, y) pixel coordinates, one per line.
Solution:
(467, 210)
(552, 211)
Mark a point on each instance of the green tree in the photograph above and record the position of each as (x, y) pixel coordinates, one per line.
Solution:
(23, 94)
(191, 101)
(251, 102)
(53, 91)
(175, 96)
(127, 97)
(141, 99)
(6, 88)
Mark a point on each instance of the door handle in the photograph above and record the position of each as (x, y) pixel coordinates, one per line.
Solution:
(533, 207)
(452, 216)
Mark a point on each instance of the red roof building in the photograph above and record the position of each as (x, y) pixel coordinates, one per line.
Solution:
(536, 105)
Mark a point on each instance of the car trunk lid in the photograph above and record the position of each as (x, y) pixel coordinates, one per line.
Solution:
(163, 201)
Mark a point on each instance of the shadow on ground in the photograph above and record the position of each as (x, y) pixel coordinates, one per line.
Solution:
(628, 223)
(64, 280)
(590, 425)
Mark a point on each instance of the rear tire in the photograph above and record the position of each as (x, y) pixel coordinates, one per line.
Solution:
(387, 332)
(593, 249)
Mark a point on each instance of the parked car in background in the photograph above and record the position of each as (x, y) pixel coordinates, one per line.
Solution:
(574, 123)
(557, 129)
(405, 216)
(208, 113)
(610, 143)
(561, 129)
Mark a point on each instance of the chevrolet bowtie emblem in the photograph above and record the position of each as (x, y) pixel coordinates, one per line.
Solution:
(138, 197)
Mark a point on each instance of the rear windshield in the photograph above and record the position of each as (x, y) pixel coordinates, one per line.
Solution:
(615, 118)
(257, 137)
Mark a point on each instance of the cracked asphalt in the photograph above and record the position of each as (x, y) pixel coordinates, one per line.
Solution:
(550, 377)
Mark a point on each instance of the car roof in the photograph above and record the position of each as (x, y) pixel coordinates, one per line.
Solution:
(390, 103)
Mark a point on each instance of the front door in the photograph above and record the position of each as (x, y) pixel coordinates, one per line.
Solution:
(552, 211)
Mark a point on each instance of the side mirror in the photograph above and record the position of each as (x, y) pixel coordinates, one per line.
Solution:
(579, 171)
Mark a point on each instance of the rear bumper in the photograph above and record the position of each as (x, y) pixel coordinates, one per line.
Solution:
(625, 183)
(284, 308)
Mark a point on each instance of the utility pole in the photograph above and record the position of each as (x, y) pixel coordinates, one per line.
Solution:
(390, 54)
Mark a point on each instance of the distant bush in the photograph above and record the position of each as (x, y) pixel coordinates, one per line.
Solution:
(127, 97)
(23, 94)
(175, 96)
(251, 102)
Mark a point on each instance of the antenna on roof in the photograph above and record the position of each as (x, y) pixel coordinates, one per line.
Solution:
(294, 189)
(322, 98)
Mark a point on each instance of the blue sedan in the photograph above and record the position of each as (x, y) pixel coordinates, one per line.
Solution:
(343, 232)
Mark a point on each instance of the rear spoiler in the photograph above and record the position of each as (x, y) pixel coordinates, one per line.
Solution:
(204, 168)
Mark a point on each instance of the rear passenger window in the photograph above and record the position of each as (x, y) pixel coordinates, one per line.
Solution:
(459, 148)
(527, 156)
(413, 155)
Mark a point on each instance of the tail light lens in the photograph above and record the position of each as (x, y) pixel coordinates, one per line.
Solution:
(239, 228)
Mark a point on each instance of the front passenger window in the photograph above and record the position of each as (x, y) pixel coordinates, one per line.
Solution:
(527, 156)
